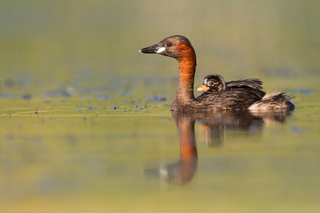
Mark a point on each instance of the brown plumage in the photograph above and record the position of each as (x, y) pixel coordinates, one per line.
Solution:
(273, 101)
(215, 87)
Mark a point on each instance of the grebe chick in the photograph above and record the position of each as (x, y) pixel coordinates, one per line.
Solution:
(215, 83)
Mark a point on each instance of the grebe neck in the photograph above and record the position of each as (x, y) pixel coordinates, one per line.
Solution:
(187, 69)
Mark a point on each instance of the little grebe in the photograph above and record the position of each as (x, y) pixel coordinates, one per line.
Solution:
(180, 48)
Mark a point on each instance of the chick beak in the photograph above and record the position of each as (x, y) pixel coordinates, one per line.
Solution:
(203, 88)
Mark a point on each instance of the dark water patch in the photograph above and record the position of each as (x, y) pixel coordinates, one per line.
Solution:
(133, 102)
(160, 99)
(296, 130)
(89, 108)
(6, 95)
(153, 99)
(305, 91)
(139, 107)
(26, 96)
(136, 108)
(58, 93)
(114, 107)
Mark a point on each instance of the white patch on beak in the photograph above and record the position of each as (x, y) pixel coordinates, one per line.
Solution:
(161, 49)
(163, 172)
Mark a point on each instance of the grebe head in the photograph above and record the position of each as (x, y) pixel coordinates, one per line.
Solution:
(175, 46)
(212, 83)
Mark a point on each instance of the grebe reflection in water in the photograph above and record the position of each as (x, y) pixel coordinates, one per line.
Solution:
(216, 125)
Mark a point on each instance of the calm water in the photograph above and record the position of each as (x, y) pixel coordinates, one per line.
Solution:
(62, 160)
(86, 123)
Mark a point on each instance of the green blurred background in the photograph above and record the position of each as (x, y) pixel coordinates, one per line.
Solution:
(92, 46)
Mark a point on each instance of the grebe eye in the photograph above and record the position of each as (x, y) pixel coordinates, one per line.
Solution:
(169, 44)
(210, 83)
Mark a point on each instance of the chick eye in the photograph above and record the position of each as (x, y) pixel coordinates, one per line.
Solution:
(210, 83)
(169, 44)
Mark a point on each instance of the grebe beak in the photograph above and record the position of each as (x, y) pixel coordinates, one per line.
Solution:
(153, 49)
(203, 88)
